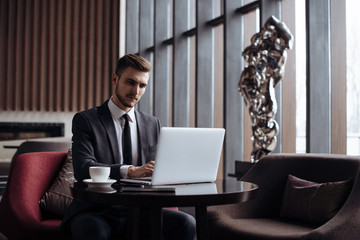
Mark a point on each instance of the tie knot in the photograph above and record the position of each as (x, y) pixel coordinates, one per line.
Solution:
(126, 117)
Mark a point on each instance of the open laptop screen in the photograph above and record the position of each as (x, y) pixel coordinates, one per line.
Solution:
(186, 155)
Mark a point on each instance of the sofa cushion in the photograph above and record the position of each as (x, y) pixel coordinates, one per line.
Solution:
(58, 197)
(312, 202)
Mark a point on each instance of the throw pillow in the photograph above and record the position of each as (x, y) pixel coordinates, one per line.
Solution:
(312, 202)
(58, 197)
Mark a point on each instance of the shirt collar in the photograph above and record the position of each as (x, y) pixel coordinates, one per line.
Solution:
(117, 112)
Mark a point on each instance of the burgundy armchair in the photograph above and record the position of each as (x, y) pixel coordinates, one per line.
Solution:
(30, 177)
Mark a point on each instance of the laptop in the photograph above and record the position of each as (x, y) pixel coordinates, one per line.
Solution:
(185, 155)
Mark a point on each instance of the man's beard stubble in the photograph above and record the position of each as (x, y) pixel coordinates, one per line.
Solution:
(120, 99)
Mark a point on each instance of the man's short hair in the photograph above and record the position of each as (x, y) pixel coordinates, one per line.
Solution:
(135, 61)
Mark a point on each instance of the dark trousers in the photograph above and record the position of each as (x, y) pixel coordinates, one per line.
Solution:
(111, 224)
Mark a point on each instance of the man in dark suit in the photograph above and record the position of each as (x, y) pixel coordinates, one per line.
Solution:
(98, 140)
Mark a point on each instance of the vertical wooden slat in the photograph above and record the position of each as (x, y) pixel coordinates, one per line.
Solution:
(27, 86)
(44, 43)
(66, 96)
(171, 83)
(37, 54)
(90, 55)
(181, 73)
(219, 86)
(219, 76)
(4, 30)
(288, 133)
(234, 104)
(62, 78)
(146, 40)
(19, 88)
(35, 57)
(99, 45)
(94, 50)
(83, 55)
(80, 51)
(59, 66)
(57, 52)
(106, 66)
(193, 90)
(80, 36)
(204, 65)
(338, 76)
(19, 50)
(161, 64)
(38, 14)
(9, 83)
(75, 55)
(114, 39)
(51, 58)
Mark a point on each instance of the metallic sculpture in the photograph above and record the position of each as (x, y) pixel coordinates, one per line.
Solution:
(266, 58)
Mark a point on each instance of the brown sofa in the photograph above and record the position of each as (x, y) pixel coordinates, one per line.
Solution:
(262, 217)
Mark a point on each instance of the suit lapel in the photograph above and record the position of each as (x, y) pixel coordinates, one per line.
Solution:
(142, 136)
(107, 121)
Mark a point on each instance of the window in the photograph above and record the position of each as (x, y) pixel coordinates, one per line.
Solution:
(300, 51)
(353, 77)
(204, 62)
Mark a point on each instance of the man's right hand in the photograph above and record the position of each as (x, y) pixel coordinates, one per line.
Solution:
(141, 171)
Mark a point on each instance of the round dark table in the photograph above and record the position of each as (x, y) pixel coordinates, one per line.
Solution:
(198, 195)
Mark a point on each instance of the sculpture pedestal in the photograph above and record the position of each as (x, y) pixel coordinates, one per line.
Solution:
(241, 168)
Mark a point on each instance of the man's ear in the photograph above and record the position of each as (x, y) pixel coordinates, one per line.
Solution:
(114, 78)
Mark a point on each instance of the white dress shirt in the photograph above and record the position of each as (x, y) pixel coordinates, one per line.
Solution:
(119, 123)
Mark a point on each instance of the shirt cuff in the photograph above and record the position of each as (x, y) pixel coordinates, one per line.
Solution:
(124, 171)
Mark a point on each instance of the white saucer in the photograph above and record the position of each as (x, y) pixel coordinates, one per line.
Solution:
(106, 183)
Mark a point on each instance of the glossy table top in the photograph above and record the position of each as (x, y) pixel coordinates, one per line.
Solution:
(218, 192)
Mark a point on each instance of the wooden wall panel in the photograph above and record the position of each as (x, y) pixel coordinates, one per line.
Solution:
(66, 98)
(34, 89)
(288, 108)
(57, 55)
(338, 76)
(49, 81)
(20, 40)
(43, 53)
(4, 24)
(106, 66)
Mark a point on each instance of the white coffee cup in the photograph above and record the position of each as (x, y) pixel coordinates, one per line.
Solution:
(99, 174)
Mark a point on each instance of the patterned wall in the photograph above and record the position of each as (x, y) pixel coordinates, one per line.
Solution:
(57, 55)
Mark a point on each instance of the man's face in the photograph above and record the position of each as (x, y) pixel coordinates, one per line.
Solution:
(129, 87)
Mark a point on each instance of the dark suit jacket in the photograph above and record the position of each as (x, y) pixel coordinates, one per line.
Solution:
(95, 143)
